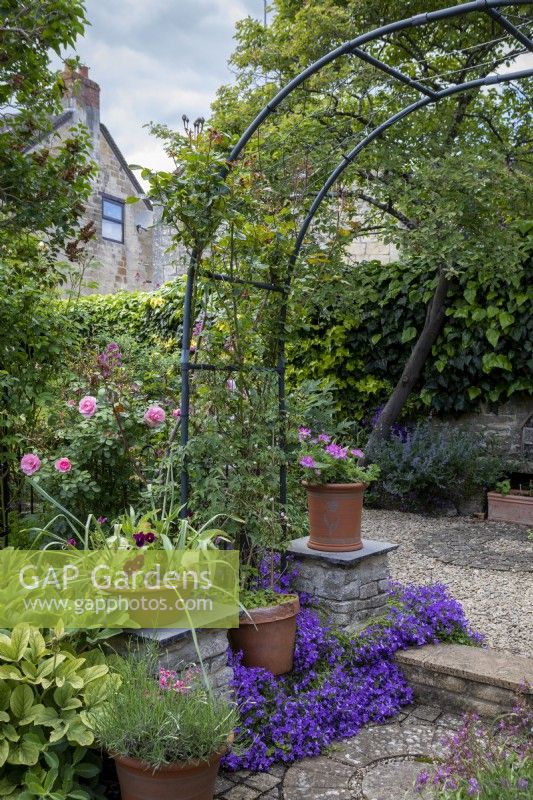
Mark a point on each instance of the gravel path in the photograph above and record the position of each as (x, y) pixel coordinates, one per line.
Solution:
(498, 602)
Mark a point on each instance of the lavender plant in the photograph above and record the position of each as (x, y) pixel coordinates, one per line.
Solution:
(487, 763)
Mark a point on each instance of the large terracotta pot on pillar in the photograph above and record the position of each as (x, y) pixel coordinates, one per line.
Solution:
(335, 511)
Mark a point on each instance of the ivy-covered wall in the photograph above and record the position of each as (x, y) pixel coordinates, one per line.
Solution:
(484, 355)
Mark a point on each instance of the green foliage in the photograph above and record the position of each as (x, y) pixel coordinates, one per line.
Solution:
(483, 354)
(262, 598)
(159, 725)
(48, 697)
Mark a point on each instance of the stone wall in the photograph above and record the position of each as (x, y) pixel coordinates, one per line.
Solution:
(467, 679)
(505, 425)
(108, 265)
(351, 587)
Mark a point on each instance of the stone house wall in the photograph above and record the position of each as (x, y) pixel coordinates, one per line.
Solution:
(108, 265)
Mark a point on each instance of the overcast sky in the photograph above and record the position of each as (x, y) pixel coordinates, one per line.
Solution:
(156, 60)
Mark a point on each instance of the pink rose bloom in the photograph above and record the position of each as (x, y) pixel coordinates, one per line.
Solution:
(176, 413)
(30, 463)
(63, 465)
(357, 453)
(154, 416)
(87, 406)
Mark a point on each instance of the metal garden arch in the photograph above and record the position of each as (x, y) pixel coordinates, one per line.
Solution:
(428, 97)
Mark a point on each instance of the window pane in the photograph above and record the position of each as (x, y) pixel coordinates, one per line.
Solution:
(112, 230)
(112, 209)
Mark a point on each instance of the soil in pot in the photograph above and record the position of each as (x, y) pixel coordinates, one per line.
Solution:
(335, 511)
(181, 781)
(267, 636)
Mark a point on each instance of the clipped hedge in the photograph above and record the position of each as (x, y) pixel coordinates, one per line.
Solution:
(484, 352)
(144, 316)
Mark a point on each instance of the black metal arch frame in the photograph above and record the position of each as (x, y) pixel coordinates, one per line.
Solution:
(429, 96)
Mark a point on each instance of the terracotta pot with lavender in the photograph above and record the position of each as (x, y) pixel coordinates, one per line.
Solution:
(167, 735)
(335, 483)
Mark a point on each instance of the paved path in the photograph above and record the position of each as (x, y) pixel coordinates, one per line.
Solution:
(380, 763)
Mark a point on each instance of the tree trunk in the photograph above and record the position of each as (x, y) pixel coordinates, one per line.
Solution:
(435, 316)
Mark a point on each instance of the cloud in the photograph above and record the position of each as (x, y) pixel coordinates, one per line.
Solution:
(156, 61)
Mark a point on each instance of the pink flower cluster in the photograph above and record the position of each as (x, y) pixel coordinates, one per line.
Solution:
(154, 416)
(30, 463)
(168, 679)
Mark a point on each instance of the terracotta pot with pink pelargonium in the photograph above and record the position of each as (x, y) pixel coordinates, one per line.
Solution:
(335, 482)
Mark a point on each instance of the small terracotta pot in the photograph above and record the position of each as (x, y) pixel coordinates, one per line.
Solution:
(514, 507)
(267, 637)
(335, 516)
(181, 781)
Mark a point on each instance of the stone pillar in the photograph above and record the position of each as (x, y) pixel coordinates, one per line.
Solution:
(350, 587)
(178, 651)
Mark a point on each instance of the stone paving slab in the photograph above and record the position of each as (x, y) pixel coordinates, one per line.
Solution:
(380, 763)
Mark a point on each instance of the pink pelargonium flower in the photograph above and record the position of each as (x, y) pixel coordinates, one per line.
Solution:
(304, 433)
(30, 464)
(308, 462)
(336, 451)
(87, 406)
(154, 416)
(176, 413)
(357, 453)
(63, 465)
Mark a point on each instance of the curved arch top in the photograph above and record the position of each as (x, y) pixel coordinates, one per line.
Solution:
(429, 96)
(353, 44)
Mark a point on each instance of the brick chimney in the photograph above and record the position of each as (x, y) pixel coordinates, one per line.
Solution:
(83, 95)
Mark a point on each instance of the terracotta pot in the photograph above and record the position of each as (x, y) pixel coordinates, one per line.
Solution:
(514, 507)
(267, 636)
(182, 781)
(335, 516)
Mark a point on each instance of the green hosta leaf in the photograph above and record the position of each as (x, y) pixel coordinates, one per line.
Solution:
(20, 636)
(21, 701)
(45, 715)
(78, 733)
(6, 787)
(10, 672)
(86, 770)
(25, 753)
(51, 758)
(470, 296)
(4, 716)
(493, 336)
(10, 732)
(92, 673)
(37, 645)
(4, 752)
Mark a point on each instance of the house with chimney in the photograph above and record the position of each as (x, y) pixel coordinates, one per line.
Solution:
(121, 253)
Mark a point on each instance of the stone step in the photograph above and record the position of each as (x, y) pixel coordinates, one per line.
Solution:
(461, 678)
